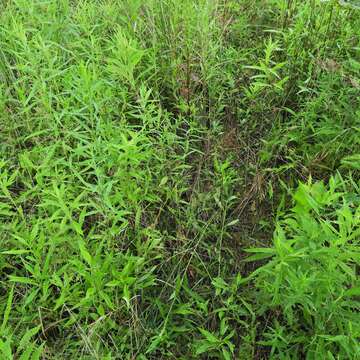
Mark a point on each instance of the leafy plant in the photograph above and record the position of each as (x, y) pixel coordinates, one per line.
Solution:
(144, 145)
(311, 278)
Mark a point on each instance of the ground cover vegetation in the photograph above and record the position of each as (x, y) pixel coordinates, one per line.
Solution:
(179, 179)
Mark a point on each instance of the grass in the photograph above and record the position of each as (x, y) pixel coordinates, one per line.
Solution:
(179, 179)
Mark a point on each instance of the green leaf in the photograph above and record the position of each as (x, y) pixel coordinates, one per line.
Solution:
(232, 223)
(226, 354)
(269, 251)
(202, 347)
(7, 309)
(84, 253)
(351, 162)
(37, 353)
(257, 257)
(355, 291)
(22, 280)
(15, 252)
(26, 354)
(5, 348)
(24, 342)
(163, 181)
(126, 296)
(211, 338)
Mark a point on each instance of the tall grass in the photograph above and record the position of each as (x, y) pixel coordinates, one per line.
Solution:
(146, 147)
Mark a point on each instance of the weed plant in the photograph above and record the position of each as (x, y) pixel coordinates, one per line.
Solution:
(179, 179)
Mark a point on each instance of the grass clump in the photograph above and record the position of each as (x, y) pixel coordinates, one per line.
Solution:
(146, 147)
